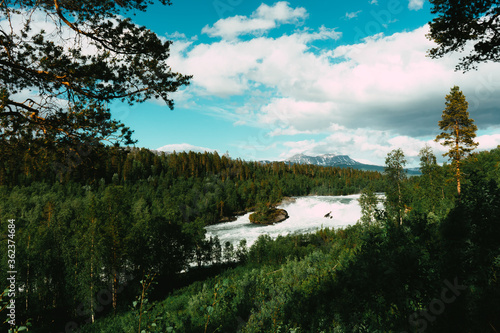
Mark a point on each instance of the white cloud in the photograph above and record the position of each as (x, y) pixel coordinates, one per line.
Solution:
(263, 19)
(366, 99)
(301, 147)
(226, 68)
(416, 4)
(384, 82)
(303, 116)
(184, 147)
(352, 15)
(488, 142)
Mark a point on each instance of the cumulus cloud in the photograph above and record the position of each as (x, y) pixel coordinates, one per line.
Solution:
(488, 141)
(366, 98)
(263, 19)
(416, 4)
(226, 68)
(383, 82)
(372, 146)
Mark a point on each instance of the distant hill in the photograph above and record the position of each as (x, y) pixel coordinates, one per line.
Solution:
(324, 160)
(342, 161)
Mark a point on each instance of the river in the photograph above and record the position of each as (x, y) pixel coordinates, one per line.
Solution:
(306, 214)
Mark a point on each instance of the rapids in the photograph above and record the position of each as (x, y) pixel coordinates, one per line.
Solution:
(307, 214)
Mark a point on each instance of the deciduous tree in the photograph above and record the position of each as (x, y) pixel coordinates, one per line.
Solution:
(396, 175)
(368, 202)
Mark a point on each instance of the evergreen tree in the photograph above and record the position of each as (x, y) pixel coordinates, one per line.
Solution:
(461, 22)
(70, 87)
(458, 130)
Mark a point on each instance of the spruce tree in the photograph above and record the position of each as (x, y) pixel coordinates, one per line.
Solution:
(458, 130)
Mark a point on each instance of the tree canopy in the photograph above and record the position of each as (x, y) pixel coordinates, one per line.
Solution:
(460, 22)
(62, 62)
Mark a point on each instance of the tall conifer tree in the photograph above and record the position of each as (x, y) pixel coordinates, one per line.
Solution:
(458, 130)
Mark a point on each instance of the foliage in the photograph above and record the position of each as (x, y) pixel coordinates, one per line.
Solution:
(261, 296)
(365, 278)
(267, 215)
(85, 241)
(432, 195)
(461, 22)
(395, 192)
(368, 202)
(74, 57)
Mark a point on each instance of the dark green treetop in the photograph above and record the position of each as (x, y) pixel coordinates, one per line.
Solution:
(460, 22)
(62, 62)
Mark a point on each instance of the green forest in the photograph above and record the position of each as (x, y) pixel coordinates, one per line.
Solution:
(98, 235)
(110, 254)
(146, 214)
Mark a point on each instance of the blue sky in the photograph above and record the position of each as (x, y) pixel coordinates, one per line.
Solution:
(272, 79)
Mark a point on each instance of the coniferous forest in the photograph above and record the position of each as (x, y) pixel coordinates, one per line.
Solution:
(123, 213)
(110, 252)
(100, 236)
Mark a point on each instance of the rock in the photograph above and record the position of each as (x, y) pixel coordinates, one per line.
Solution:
(272, 216)
(328, 215)
(280, 216)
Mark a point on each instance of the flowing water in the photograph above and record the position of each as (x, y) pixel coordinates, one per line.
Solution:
(306, 214)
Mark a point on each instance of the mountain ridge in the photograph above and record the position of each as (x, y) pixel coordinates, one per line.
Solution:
(334, 160)
(324, 160)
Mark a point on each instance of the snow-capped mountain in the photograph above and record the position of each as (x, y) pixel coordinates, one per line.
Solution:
(342, 161)
(324, 160)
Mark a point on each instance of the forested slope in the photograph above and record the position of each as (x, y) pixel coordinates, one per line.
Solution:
(105, 219)
(435, 272)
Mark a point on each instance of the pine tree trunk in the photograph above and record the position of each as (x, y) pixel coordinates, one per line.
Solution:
(457, 147)
(115, 285)
(92, 275)
(399, 204)
(28, 275)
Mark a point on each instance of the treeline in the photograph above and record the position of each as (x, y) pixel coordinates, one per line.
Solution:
(85, 164)
(201, 184)
(86, 230)
(437, 271)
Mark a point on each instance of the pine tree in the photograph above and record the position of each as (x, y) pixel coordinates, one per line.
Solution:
(458, 130)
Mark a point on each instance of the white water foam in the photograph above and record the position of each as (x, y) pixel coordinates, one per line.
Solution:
(306, 214)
